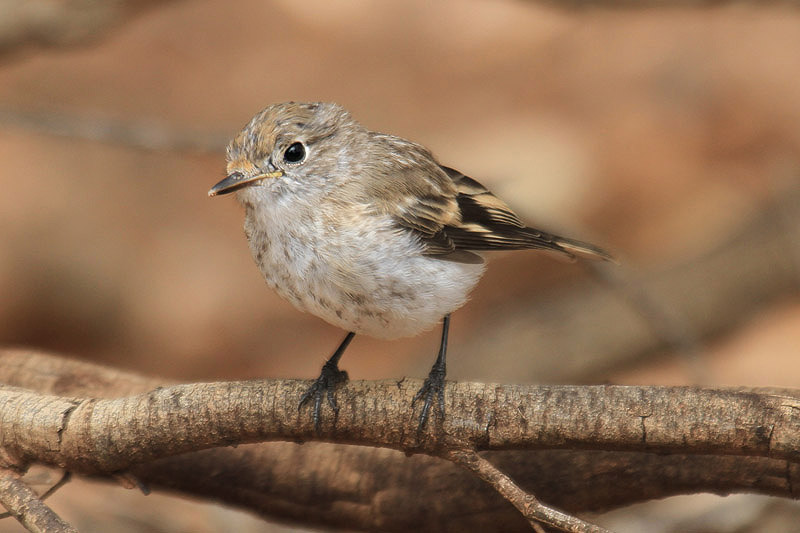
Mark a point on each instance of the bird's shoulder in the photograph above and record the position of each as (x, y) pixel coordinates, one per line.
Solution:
(404, 181)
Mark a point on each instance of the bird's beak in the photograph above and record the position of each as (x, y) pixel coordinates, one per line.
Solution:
(237, 180)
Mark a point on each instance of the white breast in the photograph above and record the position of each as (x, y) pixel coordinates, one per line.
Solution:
(367, 277)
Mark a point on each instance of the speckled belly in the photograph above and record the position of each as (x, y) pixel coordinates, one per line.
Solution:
(389, 290)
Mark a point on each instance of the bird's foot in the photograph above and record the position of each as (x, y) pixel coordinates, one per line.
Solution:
(324, 386)
(433, 387)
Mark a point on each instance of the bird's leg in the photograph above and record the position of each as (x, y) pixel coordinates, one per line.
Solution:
(329, 377)
(434, 384)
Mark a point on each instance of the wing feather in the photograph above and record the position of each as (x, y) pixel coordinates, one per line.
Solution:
(453, 215)
(487, 223)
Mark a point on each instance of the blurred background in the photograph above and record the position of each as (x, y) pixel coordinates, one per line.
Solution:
(671, 136)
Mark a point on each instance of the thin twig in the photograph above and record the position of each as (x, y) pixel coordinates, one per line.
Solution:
(60, 483)
(139, 134)
(527, 504)
(27, 507)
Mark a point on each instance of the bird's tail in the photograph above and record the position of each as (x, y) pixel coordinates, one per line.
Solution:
(582, 249)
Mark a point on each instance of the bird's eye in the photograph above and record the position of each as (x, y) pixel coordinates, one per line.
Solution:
(295, 153)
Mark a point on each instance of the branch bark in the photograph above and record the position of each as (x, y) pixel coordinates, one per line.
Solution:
(108, 435)
(27, 507)
(369, 488)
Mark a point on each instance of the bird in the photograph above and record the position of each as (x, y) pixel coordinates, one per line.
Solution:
(368, 231)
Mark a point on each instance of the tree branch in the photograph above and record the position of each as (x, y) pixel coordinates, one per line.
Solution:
(104, 436)
(398, 493)
(525, 503)
(27, 507)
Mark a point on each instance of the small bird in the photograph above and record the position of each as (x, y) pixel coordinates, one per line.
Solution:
(367, 230)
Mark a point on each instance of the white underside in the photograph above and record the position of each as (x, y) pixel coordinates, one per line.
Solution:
(370, 278)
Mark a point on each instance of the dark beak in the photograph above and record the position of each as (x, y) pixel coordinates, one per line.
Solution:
(237, 180)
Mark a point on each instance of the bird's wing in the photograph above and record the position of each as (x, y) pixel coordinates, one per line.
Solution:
(487, 223)
(453, 215)
(427, 215)
(417, 194)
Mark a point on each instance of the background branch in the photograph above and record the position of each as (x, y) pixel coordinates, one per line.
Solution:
(70, 22)
(138, 134)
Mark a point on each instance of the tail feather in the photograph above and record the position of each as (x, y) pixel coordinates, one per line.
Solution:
(582, 249)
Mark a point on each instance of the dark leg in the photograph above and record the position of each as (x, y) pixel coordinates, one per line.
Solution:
(326, 382)
(434, 384)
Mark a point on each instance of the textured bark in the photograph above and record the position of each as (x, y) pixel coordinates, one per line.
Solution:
(103, 436)
(376, 488)
(24, 505)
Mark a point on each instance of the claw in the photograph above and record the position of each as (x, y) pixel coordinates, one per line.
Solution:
(323, 387)
(432, 387)
(326, 383)
(434, 383)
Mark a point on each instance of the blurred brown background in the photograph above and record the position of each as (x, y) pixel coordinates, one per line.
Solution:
(657, 133)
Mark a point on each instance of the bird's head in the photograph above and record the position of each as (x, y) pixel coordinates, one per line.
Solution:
(289, 147)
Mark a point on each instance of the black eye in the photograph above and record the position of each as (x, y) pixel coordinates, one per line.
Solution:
(295, 153)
